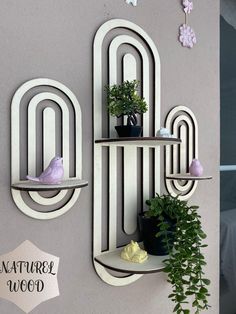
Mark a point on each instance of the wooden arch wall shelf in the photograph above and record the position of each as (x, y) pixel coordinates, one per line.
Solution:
(122, 43)
(182, 123)
(43, 125)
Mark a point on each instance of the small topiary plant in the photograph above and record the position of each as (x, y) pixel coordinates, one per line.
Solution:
(184, 264)
(123, 100)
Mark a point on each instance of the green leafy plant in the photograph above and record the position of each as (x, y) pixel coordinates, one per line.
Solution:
(123, 100)
(184, 265)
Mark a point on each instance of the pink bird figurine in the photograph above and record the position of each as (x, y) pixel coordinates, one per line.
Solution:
(196, 168)
(53, 174)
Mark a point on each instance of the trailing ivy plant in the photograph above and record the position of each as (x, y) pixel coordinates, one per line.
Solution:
(185, 262)
(123, 100)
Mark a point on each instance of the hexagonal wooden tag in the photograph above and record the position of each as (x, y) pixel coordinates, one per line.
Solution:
(28, 276)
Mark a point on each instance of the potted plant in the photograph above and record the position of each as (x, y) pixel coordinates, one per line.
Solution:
(150, 220)
(123, 100)
(179, 227)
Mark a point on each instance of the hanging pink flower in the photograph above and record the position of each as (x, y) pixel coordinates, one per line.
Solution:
(188, 6)
(187, 36)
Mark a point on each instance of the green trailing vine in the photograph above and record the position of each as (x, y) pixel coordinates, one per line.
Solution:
(185, 262)
(123, 100)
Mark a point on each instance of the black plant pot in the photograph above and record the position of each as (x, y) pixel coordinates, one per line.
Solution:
(129, 130)
(152, 244)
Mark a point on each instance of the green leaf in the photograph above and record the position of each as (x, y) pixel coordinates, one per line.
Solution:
(158, 234)
(206, 281)
(180, 298)
(194, 207)
(201, 296)
(202, 235)
(203, 290)
(195, 281)
(176, 307)
(189, 292)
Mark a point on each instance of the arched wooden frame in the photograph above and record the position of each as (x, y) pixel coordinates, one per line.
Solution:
(182, 123)
(129, 71)
(48, 145)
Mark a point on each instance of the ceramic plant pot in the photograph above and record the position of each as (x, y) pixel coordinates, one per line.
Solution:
(129, 130)
(149, 229)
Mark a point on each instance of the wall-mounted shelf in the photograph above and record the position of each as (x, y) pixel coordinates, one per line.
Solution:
(34, 186)
(187, 176)
(113, 261)
(35, 121)
(138, 141)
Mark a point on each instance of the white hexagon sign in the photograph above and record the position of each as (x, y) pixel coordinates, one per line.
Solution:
(28, 276)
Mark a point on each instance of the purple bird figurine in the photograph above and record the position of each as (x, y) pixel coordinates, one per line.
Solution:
(53, 174)
(196, 168)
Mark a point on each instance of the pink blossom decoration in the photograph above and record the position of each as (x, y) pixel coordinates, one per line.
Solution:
(187, 36)
(188, 6)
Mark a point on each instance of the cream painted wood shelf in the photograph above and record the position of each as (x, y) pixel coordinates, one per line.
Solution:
(187, 176)
(35, 121)
(34, 186)
(113, 261)
(138, 141)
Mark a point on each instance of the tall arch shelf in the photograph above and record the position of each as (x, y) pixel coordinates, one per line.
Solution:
(121, 42)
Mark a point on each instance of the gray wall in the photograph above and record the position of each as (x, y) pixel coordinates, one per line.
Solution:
(53, 39)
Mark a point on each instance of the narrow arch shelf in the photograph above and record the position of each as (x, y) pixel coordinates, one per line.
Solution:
(187, 176)
(113, 261)
(34, 186)
(138, 141)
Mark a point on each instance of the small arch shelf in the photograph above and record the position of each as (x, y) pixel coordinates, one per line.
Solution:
(113, 261)
(34, 186)
(187, 176)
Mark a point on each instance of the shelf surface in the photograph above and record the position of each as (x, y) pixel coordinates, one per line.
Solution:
(35, 186)
(113, 261)
(186, 176)
(138, 141)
